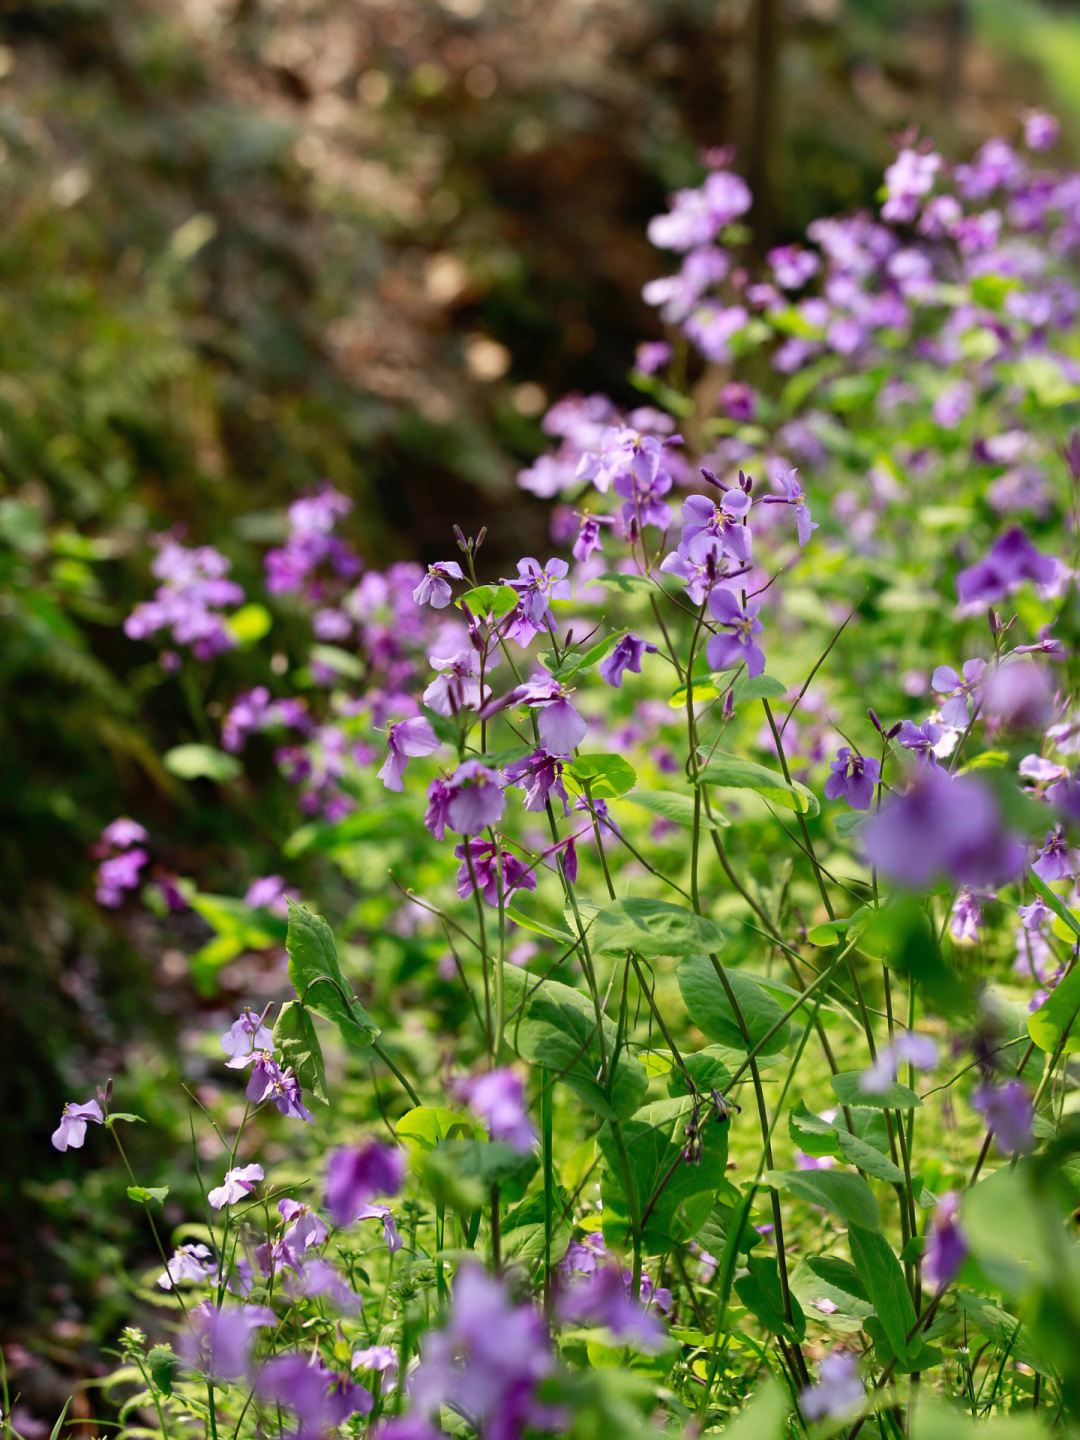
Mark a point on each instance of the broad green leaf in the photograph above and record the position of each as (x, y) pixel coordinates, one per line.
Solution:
(764, 1417)
(552, 1025)
(585, 660)
(811, 1133)
(712, 1012)
(487, 1163)
(848, 1090)
(298, 1044)
(162, 1364)
(654, 927)
(848, 1197)
(201, 762)
(936, 1419)
(1057, 1020)
(655, 1139)
(840, 1274)
(900, 935)
(607, 776)
(868, 1158)
(523, 1233)
(677, 807)
(317, 979)
(424, 1126)
(1006, 1224)
(757, 687)
(883, 1277)
(494, 600)
(527, 922)
(760, 1291)
(848, 823)
(733, 772)
(703, 690)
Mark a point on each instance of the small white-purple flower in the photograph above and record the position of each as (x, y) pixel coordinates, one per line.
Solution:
(71, 1132)
(907, 1047)
(237, 1183)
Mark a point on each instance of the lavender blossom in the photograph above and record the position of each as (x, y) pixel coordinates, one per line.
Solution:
(498, 1098)
(237, 1183)
(603, 1299)
(355, 1176)
(1010, 561)
(190, 1263)
(406, 739)
(1008, 1115)
(478, 860)
(961, 689)
(945, 1247)
(218, 1341)
(320, 1398)
(71, 1132)
(474, 798)
(434, 589)
(854, 778)
(839, 1392)
(725, 651)
(625, 656)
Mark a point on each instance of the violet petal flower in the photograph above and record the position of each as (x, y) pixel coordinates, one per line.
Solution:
(405, 740)
(853, 777)
(354, 1177)
(625, 656)
(498, 1098)
(1011, 560)
(602, 1299)
(237, 1183)
(71, 1132)
(1008, 1114)
(945, 1247)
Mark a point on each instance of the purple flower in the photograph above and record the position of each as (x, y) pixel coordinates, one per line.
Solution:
(117, 875)
(123, 833)
(268, 892)
(320, 1398)
(457, 686)
(838, 1394)
(188, 1262)
(480, 854)
(435, 816)
(652, 355)
(541, 776)
(268, 1081)
(475, 798)
(487, 1361)
(390, 1230)
(536, 588)
(625, 656)
(353, 1177)
(194, 588)
(794, 495)
(907, 1047)
(1011, 560)
(725, 651)
(406, 739)
(588, 536)
(498, 1098)
(1019, 696)
(945, 1246)
(71, 1132)
(434, 589)
(1056, 860)
(382, 1359)
(303, 1227)
(245, 1035)
(237, 1184)
(853, 777)
(218, 1342)
(1035, 915)
(696, 217)
(920, 739)
(908, 180)
(602, 1299)
(1008, 1114)
(966, 916)
(1041, 130)
(943, 826)
(316, 1277)
(962, 690)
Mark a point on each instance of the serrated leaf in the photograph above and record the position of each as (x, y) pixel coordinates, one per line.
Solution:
(733, 772)
(317, 979)
(711, 1010)
(201, 762)
(654, 927)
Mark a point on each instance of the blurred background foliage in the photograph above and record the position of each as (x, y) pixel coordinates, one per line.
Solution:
(249, 245)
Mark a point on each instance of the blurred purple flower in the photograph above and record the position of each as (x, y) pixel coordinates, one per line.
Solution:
(320, 1398)
(907, 1047)
(193, 1263)
(602, 1299)
(1008, 1115)
(794, 495)
(943, 827)
(217, 1342)
(945, 1247)
(355, 1176)
(474, 798)
(839, 1392)
(498, 1097)
(304, 1228)
(1010, 560)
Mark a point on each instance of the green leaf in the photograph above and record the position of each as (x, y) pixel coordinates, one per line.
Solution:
(654, 927)
(628, 584)
(763, 1418)
(757, 687)
(1056, 1023)
(201, 762)
(424, 1126)
(298, 1044)
(523, 1230)
(711, 1010)
(527, 922)
(936, 1419)
(341, 662)
(760, 1291)
(883, 1276)
(840, 1274)
(732, 772)
(607, 776)
(552, 1025)
(1055, 902)
(677, 807)
(486, 1162)
(849, 822)
(145, 1194)
(317, 979)
(494, 600)
(848, 1197)
(867, 1158)
(703, 690)
(574, 663)
(250, 624)
(848, 1091)
(677, 1193)
(162, 1364)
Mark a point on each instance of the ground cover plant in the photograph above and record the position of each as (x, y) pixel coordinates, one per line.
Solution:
(679, 1008)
